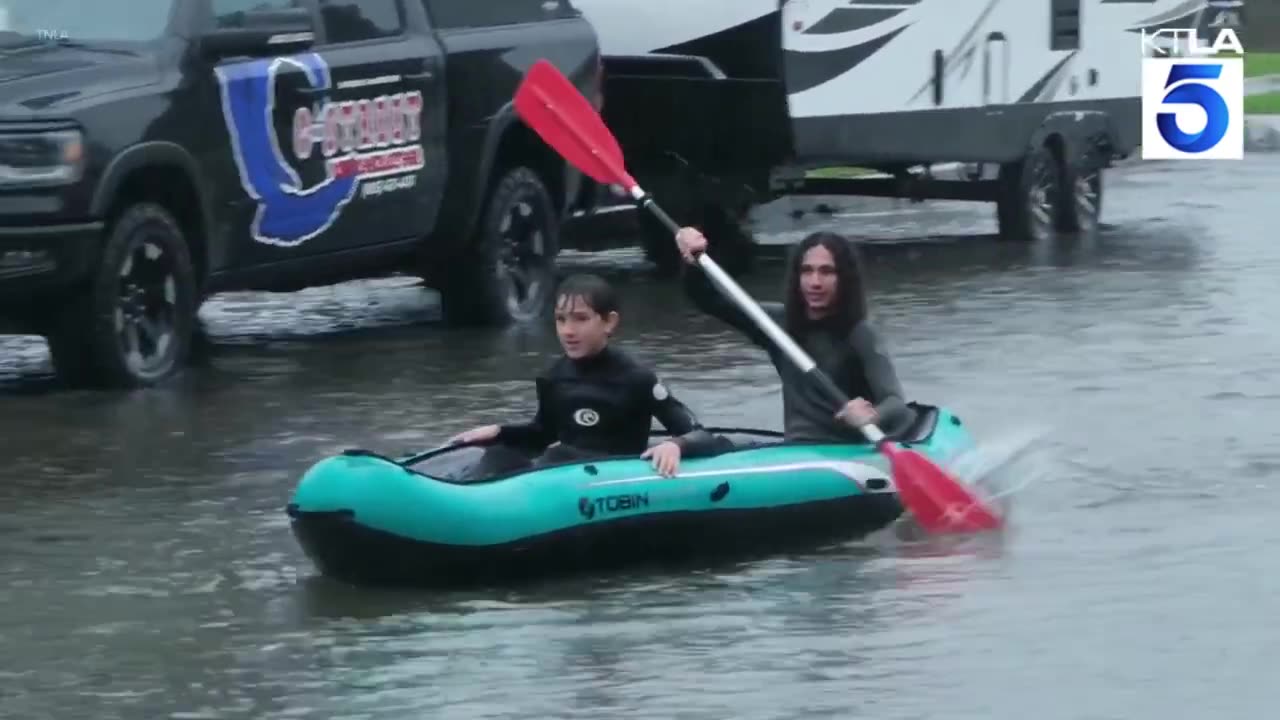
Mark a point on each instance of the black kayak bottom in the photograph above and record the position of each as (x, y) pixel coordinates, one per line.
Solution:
(345, 550)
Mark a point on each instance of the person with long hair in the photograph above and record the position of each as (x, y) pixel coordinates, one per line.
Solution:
(824, 309)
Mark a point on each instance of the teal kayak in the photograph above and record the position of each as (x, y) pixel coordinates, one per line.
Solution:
(370, 519)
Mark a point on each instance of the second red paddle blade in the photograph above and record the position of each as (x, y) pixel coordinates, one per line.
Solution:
(938, 502)
(559, 113)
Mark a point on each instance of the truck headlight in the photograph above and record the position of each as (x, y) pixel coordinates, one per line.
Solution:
(51, 157)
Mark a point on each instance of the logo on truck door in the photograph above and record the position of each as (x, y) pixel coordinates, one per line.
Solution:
(375, 141)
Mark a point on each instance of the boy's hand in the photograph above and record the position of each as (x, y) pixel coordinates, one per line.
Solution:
(484, 433)
(665, 457)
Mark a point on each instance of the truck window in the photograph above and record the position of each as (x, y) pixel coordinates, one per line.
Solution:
(23, 22)
(230, 13)
(458, 14)
(355, 20)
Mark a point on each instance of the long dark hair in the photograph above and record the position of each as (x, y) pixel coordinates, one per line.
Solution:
(851, 300)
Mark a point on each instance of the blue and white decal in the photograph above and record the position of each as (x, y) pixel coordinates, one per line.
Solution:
(360, 140)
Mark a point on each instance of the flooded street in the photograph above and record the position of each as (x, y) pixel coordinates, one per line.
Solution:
(148, 571)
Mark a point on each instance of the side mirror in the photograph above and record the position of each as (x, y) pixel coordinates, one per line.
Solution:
(260, 32)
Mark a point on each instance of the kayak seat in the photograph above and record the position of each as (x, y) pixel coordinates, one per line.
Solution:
(500, 461)
(729, 439)
(926, 421)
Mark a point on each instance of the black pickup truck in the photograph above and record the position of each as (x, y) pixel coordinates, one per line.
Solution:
(154, 152)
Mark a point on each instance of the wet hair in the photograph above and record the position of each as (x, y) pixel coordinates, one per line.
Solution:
(594, 290)
(850, 306)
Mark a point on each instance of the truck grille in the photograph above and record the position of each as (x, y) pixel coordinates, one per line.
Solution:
(26, 152)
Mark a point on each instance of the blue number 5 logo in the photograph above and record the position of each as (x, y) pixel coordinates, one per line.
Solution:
(1200, 95)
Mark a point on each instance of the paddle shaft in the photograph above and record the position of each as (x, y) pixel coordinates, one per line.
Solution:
(746, 304)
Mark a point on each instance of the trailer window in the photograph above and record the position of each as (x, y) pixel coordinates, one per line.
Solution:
(460, 14)
(1064, 25)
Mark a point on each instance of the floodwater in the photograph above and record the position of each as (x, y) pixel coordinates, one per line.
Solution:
(148, 571)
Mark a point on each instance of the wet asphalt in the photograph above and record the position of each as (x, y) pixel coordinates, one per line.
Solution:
(148, 571)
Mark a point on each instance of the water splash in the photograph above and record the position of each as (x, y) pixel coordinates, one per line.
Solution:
(1006, 464)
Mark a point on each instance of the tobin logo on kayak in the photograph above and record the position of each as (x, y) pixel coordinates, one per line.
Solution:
(360, 140)
(590, 508)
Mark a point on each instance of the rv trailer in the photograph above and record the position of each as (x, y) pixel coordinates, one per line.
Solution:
(720, 105)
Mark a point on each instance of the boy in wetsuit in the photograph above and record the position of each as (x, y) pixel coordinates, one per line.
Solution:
(594, 401)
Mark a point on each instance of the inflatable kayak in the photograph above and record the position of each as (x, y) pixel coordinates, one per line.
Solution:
(366, 518)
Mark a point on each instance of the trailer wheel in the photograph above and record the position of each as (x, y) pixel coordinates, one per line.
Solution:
(1029, 200)
(658, 244)
(1081, 206)
(725, 230)
(680, 197)
(735, 244)
(132, 325)
(509, 273)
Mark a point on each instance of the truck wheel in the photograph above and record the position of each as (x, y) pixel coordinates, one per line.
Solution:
(509, 274)
(1029, 196)
(132, 325)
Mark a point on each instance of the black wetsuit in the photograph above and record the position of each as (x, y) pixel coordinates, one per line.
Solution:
(854, 360)
(601, 406)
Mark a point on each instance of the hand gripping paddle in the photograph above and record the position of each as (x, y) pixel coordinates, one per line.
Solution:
(564, 119)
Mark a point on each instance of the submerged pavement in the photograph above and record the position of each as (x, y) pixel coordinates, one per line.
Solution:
(148, 570)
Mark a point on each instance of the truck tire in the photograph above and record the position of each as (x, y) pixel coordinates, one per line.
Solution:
(1029, 198)
(508, 275)
(131, 326)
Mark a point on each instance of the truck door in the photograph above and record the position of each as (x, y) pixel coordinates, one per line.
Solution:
(354, 134)
(383, 123)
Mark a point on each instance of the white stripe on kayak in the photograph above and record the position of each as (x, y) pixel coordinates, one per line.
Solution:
(859, 473)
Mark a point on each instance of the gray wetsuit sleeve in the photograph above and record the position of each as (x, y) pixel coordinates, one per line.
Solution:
(706, 297)
(887, 393)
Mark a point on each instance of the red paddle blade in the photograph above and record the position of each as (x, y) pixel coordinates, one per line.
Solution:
(938, 502)
(564, 119)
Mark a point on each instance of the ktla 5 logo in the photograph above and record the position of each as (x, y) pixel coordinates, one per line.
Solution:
(1192, 108)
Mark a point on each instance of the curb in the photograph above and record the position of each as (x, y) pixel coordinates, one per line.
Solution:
(1261, 84)
(1262, 133)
